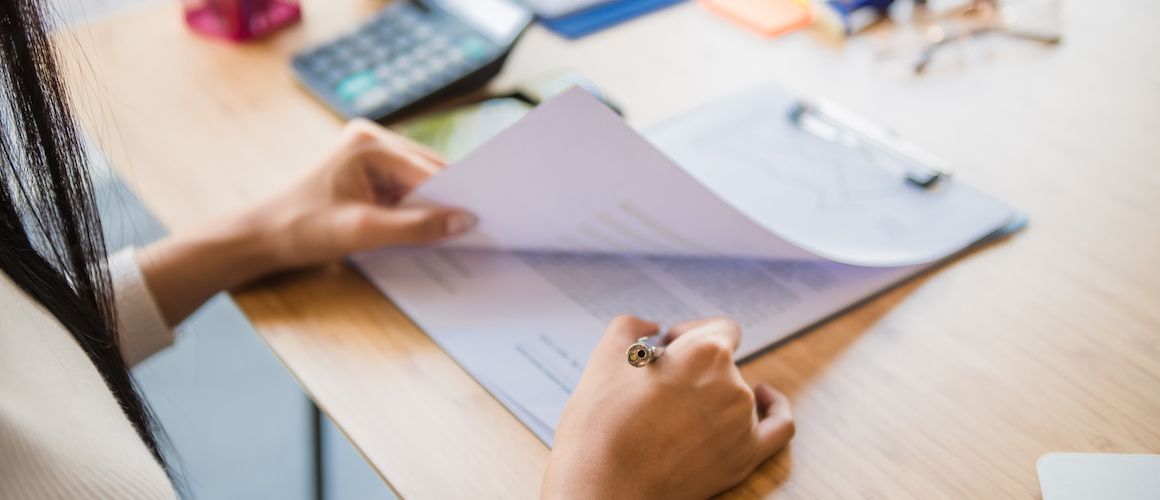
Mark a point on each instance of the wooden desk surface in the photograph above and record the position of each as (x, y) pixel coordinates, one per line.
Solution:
(951, 386)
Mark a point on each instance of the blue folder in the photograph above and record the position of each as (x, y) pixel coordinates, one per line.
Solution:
(603, 16)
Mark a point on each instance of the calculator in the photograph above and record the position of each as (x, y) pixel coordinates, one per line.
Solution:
(412, 53)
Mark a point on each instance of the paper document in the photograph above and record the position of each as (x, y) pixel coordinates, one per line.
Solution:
(523, 323)
(582, 220)
(572, 177)
(841, 203)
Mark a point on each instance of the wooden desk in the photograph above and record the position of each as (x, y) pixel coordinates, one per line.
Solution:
(951, 386)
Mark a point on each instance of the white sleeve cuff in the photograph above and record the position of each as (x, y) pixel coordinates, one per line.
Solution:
(143, 330)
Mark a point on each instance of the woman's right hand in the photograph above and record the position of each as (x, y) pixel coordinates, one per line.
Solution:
(686, 426)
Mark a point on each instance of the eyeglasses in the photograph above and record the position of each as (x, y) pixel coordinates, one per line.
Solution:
(923, 34)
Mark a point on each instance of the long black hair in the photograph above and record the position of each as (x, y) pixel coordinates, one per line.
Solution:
(51, 244)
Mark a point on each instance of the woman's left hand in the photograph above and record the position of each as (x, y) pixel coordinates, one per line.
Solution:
(349, 203)
(346, 204)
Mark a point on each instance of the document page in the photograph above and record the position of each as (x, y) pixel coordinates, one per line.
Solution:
(582, 219)
(523, 323)
(573, 177)
(838, 199)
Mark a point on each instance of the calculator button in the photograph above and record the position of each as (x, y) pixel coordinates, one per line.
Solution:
(342, 55)
(318, 64)
(334, 75)
(474, 48)
(372, 99)
(397, 84)
(419, 75)
(354, 86)
(424, 31)
(436, 65)
(384, 37)
(403, 77)
(363, 43)
(384, 26)
(400, 43)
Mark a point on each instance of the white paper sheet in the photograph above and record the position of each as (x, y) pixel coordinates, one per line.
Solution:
(632, 233)
(572, 177)
(524, 323)
(842, 203)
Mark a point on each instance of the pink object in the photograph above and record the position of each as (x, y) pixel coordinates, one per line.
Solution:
(240, 20)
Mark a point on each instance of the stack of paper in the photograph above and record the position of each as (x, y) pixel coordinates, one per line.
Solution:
(582, 219)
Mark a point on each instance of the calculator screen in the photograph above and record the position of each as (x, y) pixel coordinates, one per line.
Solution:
(500, 20)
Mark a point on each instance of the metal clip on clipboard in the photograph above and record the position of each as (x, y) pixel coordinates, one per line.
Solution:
(834, 124)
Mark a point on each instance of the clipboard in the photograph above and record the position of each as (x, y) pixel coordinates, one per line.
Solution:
(834, 124)
(769, 141)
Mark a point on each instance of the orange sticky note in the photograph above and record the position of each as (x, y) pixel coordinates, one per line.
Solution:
(768, 18)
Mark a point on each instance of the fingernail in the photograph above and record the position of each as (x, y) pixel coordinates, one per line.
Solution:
(460, 222)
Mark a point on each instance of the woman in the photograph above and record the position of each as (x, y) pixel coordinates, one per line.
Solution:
(72, 425)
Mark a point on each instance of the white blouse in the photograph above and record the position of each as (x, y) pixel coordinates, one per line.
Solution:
(62, 433)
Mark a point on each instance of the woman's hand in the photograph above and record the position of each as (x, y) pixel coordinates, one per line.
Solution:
(686, 426)
(346, 204)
